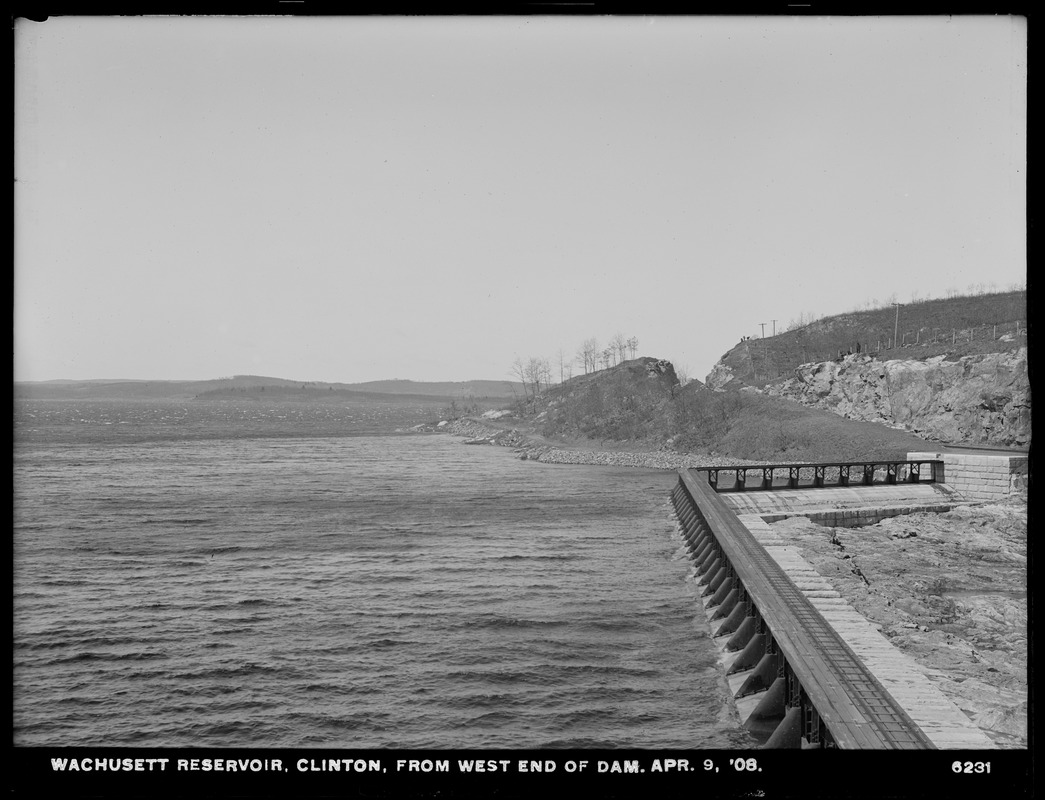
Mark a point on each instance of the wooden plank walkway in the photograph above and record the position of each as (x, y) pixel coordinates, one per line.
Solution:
(856, 709)
(903, 678)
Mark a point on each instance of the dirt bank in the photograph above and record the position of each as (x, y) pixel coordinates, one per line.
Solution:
(950, 591)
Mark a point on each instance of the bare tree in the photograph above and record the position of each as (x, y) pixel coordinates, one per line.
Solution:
(633, 345)
(546, 371)
(619, 346)
(519, 372)
(805, 318)
(594, 352)
(588, 355)
(533, 375)
(539, 373)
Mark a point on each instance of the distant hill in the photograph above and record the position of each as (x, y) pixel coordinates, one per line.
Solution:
(275, 388)
(955, 326)
(110, 389)
(503, 390)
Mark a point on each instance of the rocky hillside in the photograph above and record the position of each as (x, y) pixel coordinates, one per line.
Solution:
(639, 406)
(625, 402)
(976, 399)
(953, 326)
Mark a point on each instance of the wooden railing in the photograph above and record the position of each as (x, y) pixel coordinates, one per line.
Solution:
(818, 476)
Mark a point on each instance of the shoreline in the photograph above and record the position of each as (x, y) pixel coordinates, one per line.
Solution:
(527, 447)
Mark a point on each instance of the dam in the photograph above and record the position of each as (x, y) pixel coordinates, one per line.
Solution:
(805, 669)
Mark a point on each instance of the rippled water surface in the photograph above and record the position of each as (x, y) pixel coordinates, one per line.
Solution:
(186, 581)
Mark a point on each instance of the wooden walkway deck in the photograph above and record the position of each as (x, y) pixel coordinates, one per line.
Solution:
(944, 724)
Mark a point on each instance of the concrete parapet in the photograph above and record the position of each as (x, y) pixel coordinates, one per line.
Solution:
(980, 477)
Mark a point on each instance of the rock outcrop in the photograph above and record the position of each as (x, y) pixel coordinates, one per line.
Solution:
(721, 377)
(661, 367)
(733, 370)
(980, 399)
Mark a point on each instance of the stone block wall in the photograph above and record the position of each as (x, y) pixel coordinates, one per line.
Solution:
(981, 477)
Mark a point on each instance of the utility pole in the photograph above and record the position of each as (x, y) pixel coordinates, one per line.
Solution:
(765, 353)
(774, 327)
(896, 325)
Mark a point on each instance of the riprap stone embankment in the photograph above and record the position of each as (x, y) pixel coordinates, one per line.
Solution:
(526, 448)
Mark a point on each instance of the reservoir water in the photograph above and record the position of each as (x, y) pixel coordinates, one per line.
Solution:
(293, 575)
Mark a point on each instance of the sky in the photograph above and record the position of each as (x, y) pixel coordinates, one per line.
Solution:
(365, 198)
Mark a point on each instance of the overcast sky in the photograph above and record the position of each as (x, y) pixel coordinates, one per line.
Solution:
(376, 197)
